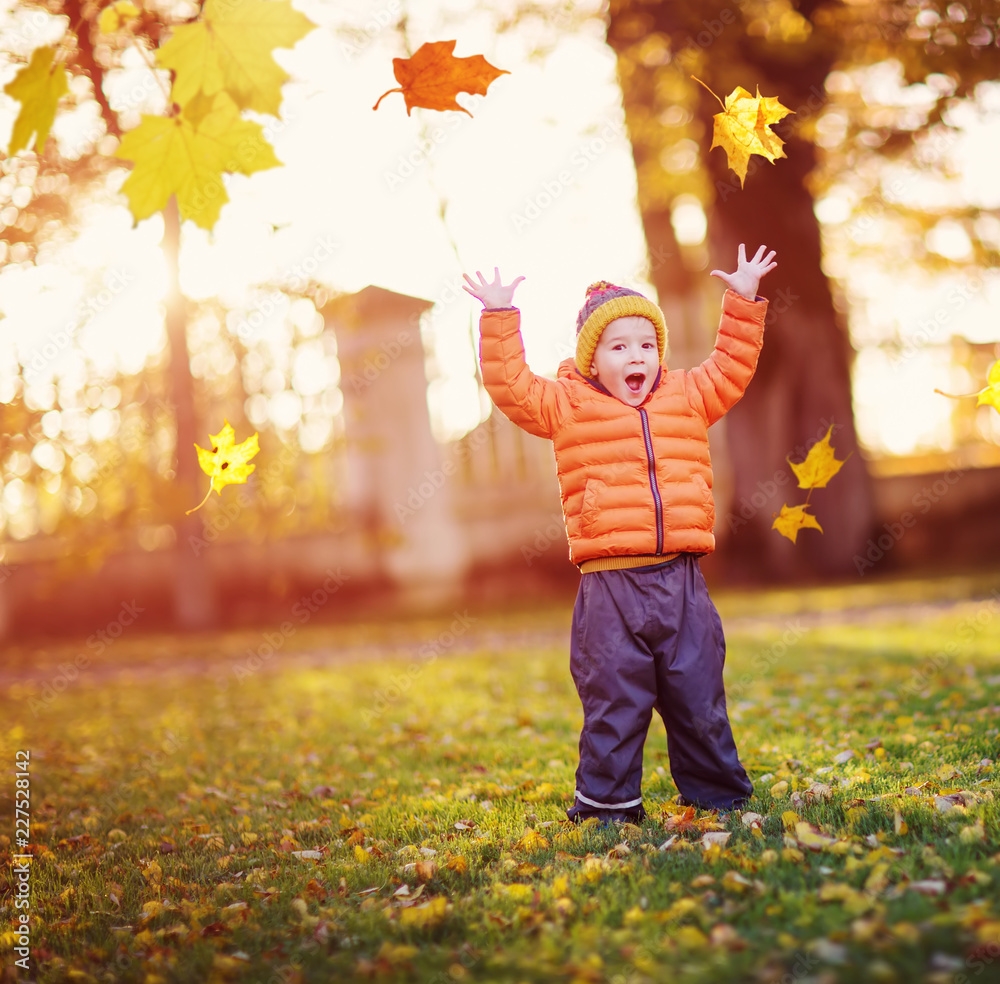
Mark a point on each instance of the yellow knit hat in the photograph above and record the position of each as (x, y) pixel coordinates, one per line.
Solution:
(604, 303)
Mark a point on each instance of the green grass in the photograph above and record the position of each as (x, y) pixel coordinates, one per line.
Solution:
(215, 778)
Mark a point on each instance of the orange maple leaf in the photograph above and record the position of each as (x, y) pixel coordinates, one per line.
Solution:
(434, 76)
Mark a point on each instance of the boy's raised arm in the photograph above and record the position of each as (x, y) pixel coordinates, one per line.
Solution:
(534, 403)
(723, 377)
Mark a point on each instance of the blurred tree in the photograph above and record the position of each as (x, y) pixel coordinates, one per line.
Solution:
(99, 485)
(791, 50)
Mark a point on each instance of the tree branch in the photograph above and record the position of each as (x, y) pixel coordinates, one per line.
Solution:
(88, 62)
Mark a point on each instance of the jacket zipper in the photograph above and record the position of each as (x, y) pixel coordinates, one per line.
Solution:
(652, 480)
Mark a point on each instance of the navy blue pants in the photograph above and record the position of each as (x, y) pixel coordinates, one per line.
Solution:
(643, 639)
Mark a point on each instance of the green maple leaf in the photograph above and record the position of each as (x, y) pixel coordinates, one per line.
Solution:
(229, 47)
(38, 87)
(186, 157)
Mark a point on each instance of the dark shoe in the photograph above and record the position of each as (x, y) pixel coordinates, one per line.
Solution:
(580, 813)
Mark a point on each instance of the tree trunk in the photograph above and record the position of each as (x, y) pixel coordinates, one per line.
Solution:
(192, 589)
(802, 384)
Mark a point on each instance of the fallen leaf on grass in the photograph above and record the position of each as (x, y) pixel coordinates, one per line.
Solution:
(425, 916)
(811, 837)
(929, 886)
(396, 953)
(458, 864)
(531, 841)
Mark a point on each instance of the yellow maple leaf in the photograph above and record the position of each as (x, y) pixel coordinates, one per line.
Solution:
(178, 155)
(153, 873)
(990, 393)
(459, 864)
(38, 87)
(811, 837)
(794, 518)
(531, 841)
(230, 48)
(116, 15)
(742, 128)
(425, 916)
(819, 465)
(226, 463)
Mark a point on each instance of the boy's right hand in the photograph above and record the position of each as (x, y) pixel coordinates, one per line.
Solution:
(492, 295)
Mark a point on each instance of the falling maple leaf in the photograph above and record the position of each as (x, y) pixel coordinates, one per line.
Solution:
(226, 463)
(794, 518)
(434, 76)
(742, 128)
(230, 48)
(819, 465)
(988, 395)
(38, 87)
(186, 155)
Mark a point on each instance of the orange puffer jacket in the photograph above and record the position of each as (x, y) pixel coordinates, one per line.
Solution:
(633, 480)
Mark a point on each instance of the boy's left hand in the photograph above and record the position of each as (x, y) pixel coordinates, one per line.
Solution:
(748, 272)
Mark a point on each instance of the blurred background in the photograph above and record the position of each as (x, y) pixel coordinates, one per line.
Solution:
(325, 309)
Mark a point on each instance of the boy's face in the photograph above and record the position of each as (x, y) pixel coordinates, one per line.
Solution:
(626, 360)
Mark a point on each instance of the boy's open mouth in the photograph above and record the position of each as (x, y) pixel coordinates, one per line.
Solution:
(634, 381)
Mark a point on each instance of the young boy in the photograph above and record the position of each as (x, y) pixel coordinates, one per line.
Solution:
(635, 479)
